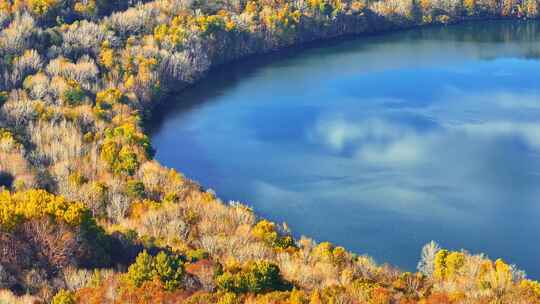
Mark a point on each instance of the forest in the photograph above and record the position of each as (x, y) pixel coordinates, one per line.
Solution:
(87, 215)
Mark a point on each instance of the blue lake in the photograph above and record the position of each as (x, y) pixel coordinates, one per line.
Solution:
(378, 143)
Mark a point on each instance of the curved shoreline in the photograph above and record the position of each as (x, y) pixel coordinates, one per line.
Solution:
(178, 105)
(391, 28)
(86, 134)
(150, 122)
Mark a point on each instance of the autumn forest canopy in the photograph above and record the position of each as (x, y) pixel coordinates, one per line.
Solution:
(87, 215)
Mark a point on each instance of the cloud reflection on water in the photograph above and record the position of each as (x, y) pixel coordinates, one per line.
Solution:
(472, 157)
(382, 145)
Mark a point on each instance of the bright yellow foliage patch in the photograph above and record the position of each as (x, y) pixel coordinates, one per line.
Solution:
(110, 96)
(470, 6)
(106, 57)
(447, 264)
(41, 7)
(32, 204)
(7, 141)
(531, 286)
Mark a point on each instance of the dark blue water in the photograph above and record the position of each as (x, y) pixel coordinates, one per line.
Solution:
(379, 144)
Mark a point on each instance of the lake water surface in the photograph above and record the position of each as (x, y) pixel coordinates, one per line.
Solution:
(380, 143)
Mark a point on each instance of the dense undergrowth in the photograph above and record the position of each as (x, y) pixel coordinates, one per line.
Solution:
(111, 225)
